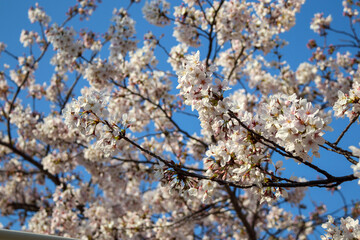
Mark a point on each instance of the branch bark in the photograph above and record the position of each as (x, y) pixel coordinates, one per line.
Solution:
(250, 231)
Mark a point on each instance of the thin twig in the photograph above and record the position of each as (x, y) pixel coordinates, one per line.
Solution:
(345, 130)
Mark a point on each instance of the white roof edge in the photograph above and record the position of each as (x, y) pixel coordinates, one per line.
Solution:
(15, 235)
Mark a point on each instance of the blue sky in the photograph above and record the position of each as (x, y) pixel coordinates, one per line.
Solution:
(13, 18)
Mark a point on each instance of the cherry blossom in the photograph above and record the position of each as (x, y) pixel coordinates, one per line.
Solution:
(198, 128)
(319, 23)
(155, 12)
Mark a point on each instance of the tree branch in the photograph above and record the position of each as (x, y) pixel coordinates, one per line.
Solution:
(250, 231)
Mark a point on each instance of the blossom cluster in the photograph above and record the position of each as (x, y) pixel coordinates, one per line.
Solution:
(348, 104)
(187, 20)
(320, 23)
(348, 229)
(37, 14)
(295, 124)
(177, 56)
(26, 68)
(277, 218)
(194, 80)
(234, 16)
(68, 49)
(89, 114)
(99, 73)
(155, 12)
(85, 112)
(121, 35)
(306, 73)
(239, 156)
(350, 10)
(29, 38)
(340, 67)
